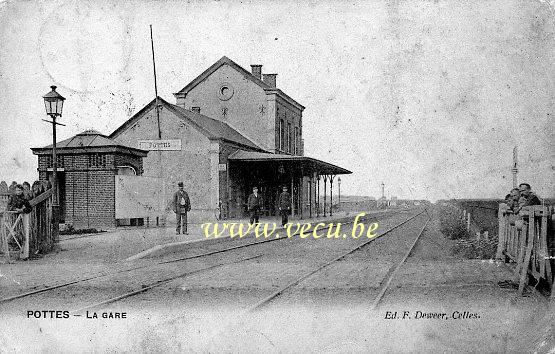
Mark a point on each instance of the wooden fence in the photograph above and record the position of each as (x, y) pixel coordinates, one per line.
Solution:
(527, 240)
(30, 233)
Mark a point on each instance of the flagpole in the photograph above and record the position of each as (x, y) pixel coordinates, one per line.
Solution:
(162, 194)
(515, 166)
(155, 84)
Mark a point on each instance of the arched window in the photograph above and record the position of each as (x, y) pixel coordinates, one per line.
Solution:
(281, 134)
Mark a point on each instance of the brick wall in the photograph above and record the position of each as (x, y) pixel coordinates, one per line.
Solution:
(89, 188)
(130, 160)
(290, 115)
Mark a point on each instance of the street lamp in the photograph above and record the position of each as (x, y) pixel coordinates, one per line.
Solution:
(54, 102)
(339, 191)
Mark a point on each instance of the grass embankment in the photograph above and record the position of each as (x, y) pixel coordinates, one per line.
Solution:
(466, 244)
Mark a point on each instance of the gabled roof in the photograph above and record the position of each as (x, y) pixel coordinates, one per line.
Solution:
(209, 127)
(224, 60)
(89, 141)
(246, 74)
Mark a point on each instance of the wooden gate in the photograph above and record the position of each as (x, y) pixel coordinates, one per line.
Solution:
(527, 240)
(30, 234)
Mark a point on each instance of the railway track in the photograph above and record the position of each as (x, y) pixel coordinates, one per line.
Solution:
(167, 279)
(386, 281)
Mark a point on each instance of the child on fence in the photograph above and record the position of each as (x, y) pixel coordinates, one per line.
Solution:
(17, 201)
(27, 193)
(17, 204)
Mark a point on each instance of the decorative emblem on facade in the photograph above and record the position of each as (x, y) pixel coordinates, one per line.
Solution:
(225, 92)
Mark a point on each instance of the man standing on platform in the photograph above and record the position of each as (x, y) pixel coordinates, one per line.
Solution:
(254, 203)
(181, 205)
(284, 205)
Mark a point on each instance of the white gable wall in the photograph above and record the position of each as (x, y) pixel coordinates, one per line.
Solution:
(192, 164)
(247, 110)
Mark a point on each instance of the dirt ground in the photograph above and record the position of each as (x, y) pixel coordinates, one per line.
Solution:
(329, 312)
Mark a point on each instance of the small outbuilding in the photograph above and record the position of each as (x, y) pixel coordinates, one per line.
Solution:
(87, 165)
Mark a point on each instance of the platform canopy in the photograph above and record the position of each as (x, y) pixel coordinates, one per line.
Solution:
(307, 164)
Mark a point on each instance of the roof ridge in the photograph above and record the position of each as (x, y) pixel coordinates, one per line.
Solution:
(223, 60)
(93, 139)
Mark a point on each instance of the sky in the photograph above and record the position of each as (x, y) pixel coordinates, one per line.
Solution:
(428, 96)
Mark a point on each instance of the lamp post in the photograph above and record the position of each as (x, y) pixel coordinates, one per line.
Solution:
(339, 192)
(54, 102)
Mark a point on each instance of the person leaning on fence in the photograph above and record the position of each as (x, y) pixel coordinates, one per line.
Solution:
(37, 188)
(181, 205)
(527, 197)
(512, 198)
(17, 202)
(27, 193)
(254, 204)
(284, 205)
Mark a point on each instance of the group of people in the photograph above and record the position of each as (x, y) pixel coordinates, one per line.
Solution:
(521, 197)
(182, 205)
(255, 204)
(22, 193)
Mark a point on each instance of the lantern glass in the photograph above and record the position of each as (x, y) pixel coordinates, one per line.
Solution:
(53, 102)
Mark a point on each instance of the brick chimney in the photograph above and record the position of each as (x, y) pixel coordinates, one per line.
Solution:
(257, 71)
(269, 79)
(195, 109)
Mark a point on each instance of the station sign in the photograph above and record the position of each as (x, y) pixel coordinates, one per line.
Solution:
(160, 145)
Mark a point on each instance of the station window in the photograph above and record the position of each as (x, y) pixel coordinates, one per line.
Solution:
(296, 141)
(280, 135)
(289, 138)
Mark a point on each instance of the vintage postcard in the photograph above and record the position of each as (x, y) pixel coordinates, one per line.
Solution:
(277, 176)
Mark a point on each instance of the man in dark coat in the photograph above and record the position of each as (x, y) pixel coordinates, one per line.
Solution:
(254, 204)
(284, 205)
(527, 197)
(17, 201)
(181, 205)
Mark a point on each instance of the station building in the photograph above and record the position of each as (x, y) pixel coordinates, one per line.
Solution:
(229, 130)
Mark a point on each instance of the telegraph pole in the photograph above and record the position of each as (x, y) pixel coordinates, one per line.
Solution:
(515, 166)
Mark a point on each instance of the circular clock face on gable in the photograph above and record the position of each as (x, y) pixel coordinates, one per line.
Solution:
(225, 92)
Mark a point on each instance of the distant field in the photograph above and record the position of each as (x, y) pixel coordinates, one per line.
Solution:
(484, 211)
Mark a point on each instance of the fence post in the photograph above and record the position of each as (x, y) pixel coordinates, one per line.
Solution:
(24, 254)
(468, 222)
(4, 239)
(501, 231)
(529, 243)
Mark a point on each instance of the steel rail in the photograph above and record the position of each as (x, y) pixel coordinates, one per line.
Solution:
(108, 274)
(157, 284)
(390, 275)
(274, 295)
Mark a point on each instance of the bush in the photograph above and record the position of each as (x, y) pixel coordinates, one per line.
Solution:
(475, 249)
(451, 224)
